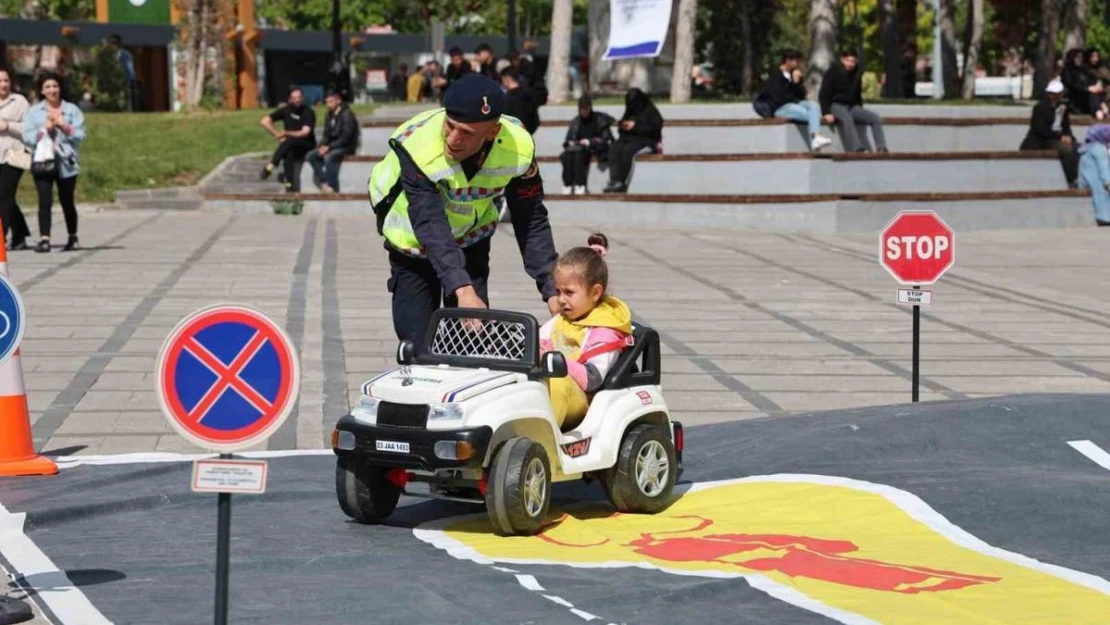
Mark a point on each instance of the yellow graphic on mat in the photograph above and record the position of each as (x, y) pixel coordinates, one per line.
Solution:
(857, 552)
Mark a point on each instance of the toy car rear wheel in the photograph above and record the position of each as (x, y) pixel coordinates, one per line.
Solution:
(644, 476)
(364, 493)
(518, 493)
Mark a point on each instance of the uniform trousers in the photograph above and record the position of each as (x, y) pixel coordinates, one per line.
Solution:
(418, 292)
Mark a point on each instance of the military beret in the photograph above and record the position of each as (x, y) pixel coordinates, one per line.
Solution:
(474, 98)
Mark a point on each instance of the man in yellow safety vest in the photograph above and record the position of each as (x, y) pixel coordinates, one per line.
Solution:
(434, 196)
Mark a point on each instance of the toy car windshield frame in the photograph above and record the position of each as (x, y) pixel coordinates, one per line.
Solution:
(507, 341)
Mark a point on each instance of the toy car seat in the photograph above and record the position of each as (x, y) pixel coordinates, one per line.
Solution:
(638, 365)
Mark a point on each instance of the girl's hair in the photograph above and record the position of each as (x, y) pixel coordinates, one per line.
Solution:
(589, 261)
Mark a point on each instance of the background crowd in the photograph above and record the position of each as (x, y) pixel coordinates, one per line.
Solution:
(43, 138)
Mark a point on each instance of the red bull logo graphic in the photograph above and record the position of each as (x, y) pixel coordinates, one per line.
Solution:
(802, 556)
(853, 551)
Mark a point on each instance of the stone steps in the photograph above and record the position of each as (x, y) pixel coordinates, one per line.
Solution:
(730, 136)
(816, 214)
(799, 173)
(172, 198)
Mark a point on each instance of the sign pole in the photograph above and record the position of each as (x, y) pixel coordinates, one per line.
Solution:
(255, 361)
(916, 343)
(916, 248)
(223, 549)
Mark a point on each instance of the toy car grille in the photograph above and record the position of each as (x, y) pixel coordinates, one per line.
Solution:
(506, 340)
(403, 415)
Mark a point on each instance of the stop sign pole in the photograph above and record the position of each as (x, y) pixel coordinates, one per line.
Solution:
(916, 247)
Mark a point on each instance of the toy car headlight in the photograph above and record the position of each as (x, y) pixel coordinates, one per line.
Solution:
(366, 410)
(445, 412)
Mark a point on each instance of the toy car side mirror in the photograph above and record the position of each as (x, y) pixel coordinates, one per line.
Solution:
(406, 352)
(553, 365)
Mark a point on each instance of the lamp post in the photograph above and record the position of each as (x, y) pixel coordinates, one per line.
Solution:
(511, 19)
(338, 74)
(938, 68)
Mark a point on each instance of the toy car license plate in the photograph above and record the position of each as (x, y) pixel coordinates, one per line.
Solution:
(394, 446)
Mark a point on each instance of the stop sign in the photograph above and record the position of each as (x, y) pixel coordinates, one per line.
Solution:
(916, 247)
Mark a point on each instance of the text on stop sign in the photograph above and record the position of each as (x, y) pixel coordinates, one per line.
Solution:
(913, 246)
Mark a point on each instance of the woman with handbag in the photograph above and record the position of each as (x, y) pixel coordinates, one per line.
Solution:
(14, 159)
(54, 128)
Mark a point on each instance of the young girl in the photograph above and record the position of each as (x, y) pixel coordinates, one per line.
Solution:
(591, 330)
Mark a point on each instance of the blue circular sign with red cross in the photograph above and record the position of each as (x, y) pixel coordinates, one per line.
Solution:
(227, 377)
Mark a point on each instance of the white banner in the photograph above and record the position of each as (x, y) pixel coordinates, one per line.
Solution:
(637, 28)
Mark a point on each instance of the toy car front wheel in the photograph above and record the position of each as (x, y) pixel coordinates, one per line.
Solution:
(364, 493)
(518, 493)
(644, 476)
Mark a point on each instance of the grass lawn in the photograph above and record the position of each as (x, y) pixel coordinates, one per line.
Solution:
(142, 150)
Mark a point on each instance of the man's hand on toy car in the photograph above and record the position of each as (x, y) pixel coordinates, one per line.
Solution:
(468, 298)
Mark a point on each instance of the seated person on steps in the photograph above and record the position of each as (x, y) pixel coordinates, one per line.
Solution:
(590, 332)
(641, 130)
(841, 98)
(786, 92)
(589, 134)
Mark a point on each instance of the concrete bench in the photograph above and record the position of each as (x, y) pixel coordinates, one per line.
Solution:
(817, 214)
(758, 136)
(800, 173)
(736, 110)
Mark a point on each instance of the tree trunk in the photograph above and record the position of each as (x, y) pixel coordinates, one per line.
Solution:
(948, 46)
(892, 61)
(1075, 25)
(822, 42)
(683, 51)
(749, 70)
(196, 37)
(228, 18)
(1044, 67)
(907, 40)
(598, 20)
(558, 68)
(972, 41)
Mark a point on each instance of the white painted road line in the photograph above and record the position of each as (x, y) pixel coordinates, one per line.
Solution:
(560, 601)
(69, 462)
(529, 582)
(53, 587)
(1097, 454)
(585, 615)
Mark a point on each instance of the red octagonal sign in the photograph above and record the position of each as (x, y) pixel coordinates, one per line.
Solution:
(917, 247)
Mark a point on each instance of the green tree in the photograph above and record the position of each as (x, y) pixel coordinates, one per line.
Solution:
(49, 9)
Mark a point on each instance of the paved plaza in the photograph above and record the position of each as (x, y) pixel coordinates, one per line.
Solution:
(753, 324)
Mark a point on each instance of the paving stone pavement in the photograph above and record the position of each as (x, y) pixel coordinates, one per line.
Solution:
(753, 324)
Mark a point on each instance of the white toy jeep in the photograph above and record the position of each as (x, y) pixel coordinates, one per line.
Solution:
(468, 417)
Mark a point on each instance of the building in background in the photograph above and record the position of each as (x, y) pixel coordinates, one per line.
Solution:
(268, 60)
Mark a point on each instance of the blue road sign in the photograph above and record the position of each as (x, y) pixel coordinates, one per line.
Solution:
(12, 319)
(227, 377)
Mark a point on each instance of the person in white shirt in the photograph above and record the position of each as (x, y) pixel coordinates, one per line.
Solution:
(13, 108)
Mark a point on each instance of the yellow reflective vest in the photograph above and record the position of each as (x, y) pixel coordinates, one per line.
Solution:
(469, 205)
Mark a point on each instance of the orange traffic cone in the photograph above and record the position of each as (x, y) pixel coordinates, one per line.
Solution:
(17, 449)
